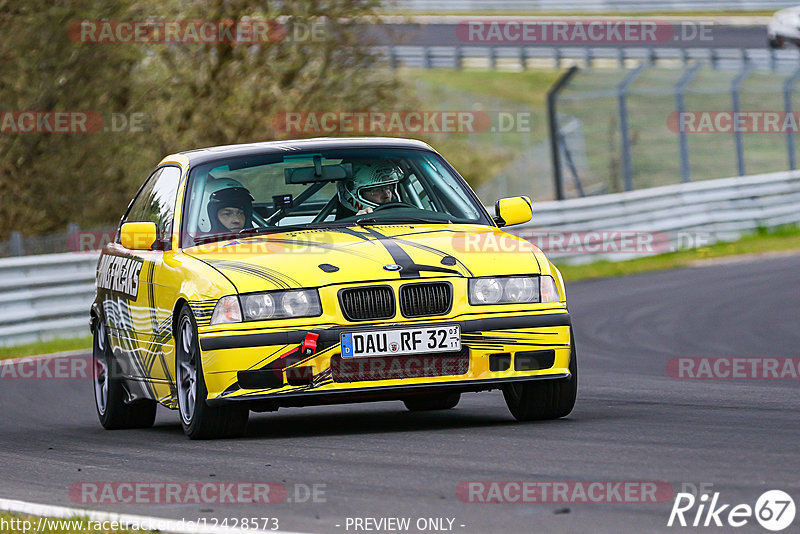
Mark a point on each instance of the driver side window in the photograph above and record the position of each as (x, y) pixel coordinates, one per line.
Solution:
(156, 201)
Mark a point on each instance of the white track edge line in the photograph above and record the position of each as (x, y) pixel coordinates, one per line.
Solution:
(148, 522)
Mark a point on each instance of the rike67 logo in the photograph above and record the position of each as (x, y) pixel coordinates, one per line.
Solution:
(774, 510)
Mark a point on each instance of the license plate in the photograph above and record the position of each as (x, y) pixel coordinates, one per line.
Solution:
(446, 338)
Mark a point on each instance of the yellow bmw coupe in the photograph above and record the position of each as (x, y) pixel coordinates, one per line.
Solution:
(250, 277)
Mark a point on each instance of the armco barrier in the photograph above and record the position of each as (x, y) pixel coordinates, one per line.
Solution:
(515, 58)
(698, 213)
(47, 296)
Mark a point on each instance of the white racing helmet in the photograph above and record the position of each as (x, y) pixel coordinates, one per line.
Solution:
(366, 176)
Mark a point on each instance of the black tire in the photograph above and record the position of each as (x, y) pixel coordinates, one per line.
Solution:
(199, 420)
(438, 401)
(544, 399)
(109, 391)
(776, 42)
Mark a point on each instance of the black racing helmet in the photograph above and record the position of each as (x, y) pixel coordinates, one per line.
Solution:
(229, 193)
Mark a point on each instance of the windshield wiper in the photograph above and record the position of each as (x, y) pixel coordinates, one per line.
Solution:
(263, 230)
(288, 228)
(364, 221)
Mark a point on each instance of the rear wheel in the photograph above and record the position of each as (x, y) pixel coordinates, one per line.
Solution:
(109, 391)
(438, 401)
(199, 420)
(544, 399)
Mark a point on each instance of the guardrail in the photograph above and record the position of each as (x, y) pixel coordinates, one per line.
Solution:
(47, 296)
(677, 216)
(524, 57)
(596, 6)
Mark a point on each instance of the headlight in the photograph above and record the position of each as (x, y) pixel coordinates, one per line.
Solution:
(300, 303)
(520, 290)
(227, 310)
(512, 290)
(281, 304)
(259, 306)
(485, 291)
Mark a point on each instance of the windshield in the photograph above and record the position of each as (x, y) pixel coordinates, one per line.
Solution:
(277, 192)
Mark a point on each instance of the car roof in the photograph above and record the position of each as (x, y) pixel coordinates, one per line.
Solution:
(204, 155)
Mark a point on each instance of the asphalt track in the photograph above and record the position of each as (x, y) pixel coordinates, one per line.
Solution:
(632, 422)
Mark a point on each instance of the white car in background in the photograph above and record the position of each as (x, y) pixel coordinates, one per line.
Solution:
(784, 27)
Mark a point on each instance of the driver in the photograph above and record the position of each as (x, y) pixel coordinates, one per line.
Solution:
(230, 207)
(372, 185)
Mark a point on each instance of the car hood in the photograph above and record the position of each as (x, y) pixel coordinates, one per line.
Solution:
(315, 258)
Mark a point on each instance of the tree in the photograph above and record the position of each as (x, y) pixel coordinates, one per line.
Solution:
(194, 93)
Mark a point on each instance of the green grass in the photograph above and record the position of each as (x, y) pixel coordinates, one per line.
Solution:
(13, 524)
(529, 87)
(785, 238)
(46, 347)
(481, 156)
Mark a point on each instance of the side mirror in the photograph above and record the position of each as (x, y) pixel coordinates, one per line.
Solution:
(139, 235)
(514, 210)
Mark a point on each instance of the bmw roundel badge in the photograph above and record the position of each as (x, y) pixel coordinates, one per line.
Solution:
(392, 267)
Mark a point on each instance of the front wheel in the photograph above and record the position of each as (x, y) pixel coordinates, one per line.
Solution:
(776, 42)
(109, 391)
(544, 399)
(199, 420)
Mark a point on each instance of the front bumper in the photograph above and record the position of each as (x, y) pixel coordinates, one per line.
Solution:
(253, 366)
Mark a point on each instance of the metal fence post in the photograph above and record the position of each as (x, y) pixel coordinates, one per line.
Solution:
(736, 86)
(523, 58)
(427, 57)
(459, 58)
(788, 86)
(680, 104)
(622, 89)
(552, 119)
(16, 244)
